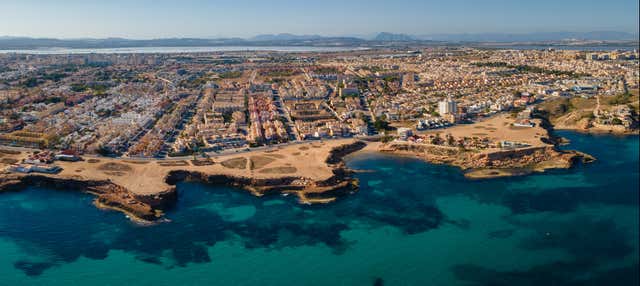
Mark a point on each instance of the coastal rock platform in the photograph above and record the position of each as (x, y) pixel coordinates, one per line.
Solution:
(314, 172)
(540, 153)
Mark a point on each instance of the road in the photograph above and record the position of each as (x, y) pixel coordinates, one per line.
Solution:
(253, 75)
(291, 130)
(368, 113)
(210, 154)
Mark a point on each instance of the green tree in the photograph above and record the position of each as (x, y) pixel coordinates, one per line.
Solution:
(381, 125)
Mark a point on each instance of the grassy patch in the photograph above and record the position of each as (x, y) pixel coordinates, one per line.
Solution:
(204, 162)
(173, 163)
(235, 163)
(136, 162)
(9, 152)
(8, 161)
(114, 167)
(257, 162)
(279, 170)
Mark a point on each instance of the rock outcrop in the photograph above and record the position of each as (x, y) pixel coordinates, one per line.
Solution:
(510, 162)
(149, 208)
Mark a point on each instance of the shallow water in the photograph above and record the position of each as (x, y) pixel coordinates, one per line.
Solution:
(412, 223)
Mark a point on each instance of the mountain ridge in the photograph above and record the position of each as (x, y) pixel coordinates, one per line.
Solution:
(286, 39)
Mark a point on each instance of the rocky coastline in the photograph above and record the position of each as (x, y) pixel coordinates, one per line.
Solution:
(496, 163)
(147, 209)
(130, 196)
(107, 194)
(492, 164)
(599, 129)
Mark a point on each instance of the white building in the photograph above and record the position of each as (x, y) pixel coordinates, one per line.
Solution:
(447, 106)
(404, 133)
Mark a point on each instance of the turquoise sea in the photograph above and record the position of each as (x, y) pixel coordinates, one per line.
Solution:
(412, 223)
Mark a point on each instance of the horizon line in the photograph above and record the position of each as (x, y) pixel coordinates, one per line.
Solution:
(357, 36)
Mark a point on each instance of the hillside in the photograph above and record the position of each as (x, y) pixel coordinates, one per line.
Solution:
(578, 113)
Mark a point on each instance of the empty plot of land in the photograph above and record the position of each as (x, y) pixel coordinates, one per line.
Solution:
(277, 156)
(504, 132)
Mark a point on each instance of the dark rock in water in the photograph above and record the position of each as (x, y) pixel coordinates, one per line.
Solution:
(402, 201)
(149, 259)
(32, 268)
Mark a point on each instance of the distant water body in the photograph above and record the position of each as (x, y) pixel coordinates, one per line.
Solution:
(292, 49)
(411, 223)
(175, 50)
(563, 47)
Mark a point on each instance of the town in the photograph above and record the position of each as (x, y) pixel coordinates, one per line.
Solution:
(158, 106)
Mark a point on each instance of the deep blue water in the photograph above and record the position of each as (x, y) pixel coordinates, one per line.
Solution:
(412, 223)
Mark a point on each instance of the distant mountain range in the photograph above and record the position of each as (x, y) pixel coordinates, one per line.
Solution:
(10, 43)
(389, 37)
(14, 43)
(285, 37)
(481, 37)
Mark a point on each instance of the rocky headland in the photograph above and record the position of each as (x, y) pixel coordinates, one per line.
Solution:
(539, 153)
(114, 182)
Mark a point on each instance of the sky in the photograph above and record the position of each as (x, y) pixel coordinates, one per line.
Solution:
(146, 19)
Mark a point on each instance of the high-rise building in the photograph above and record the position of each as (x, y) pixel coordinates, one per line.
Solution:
(592, 56)
(447, 106)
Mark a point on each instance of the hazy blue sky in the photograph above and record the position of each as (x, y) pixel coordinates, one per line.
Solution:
(243, 18)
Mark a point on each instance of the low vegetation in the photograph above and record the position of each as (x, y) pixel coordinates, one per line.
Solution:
(235, 163)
